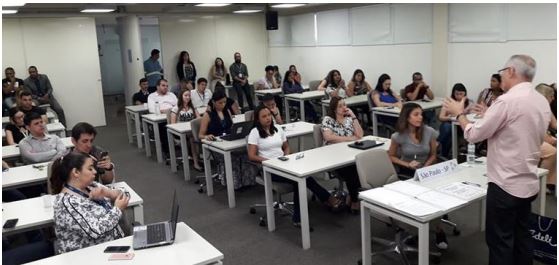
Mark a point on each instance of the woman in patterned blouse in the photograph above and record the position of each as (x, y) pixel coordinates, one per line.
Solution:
(84, 214)
(341, 125)
(184, 111)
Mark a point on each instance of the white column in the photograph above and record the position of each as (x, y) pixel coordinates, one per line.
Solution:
(439, 52)
(131, 52)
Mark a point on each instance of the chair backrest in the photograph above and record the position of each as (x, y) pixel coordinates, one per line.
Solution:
(195, 127)
(249, 115)
(375, 168)
(313, 85)
(317, 135)
(370, 101)
(168, 117)
(403, 94)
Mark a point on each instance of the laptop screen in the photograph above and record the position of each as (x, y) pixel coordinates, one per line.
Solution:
(174, 215)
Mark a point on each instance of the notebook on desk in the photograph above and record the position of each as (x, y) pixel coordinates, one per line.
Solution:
(238, 131)
(157, 234)
(364, 145)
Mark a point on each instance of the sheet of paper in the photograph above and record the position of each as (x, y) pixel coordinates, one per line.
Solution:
(416, 207)
(440, 200)
(384, 196)
(463, 191)
(407, 187)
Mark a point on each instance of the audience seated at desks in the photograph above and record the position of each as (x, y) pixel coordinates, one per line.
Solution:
(277, 75)
(41, 89)
(152, 70)
(383, 96)
(231, 105)
(201, 96)
(11, 86)
(184, 111)
(341, 125)
(217, 122)
(549, 146)
(267, 141)
(182, 85)
(413, 146)
(296, 76)
(458, 93)
(333, 85)
(185, 68)
(25, 104)
(86, 213)
(15, 130)
(166, 101)
(239, 73)
(269, 102)
(38, 146)
(141, 96)
(11, 195)
(418, 89)
(268, 81)
(83, 135)
(291, 85)
(358, 85)
(218, 72)
(488, 95)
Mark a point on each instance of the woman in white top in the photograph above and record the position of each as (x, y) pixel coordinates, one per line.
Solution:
(266, 141)
(184, 111)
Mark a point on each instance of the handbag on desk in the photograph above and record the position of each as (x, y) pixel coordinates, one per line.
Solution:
(544, 232)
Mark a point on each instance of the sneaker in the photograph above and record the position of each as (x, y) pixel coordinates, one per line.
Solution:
(440, 240)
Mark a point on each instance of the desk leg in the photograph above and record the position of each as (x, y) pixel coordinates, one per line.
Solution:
(63, 133)
(454, 142)
(286, 106)
(542, 195)
(302, 108)
(323, 109)
(129, 127)
(304, 210)
(365, 235)
(139, 213)
(270, 214)
(158, 152)
(208, 171)
(172, 153)
(184, 151)
(146, 139)
(137, 123)
(229, 179)
(482, 214)
(375, 124)
(423, 244)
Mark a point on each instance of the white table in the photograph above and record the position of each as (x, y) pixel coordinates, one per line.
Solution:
(473, 174)
(154, 120)
(262, 92)
(133, 116)
(455, 125)
(29, 175)
(225, 148)
(301, 98)
(182, 130)
(33, 214)
(349, 101)
(317, 160)
(395, 112)
(6, 119)
(189, 248)
(56, 128)
(12, 151)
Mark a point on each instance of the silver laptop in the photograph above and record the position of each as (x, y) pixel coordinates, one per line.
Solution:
(157, 234)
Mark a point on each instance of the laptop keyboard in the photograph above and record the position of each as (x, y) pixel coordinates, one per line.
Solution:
(156, 233)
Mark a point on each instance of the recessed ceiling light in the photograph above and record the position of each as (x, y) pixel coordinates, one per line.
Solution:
(212, 5)
(9, 11)
(13, 3)
(98, 10)
(247, 11)
(287, 5)
(186, 20)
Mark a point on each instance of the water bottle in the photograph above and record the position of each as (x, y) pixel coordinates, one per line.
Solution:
(157, 109)
(471, 157)
(341, 93)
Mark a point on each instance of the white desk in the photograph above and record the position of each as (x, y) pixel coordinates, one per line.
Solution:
(455, 125)
(262, 92)
(349, 101)
(189, 248)
(474, 174)
(317, 160)
(395, 112)
(6, 119)
(12, 151)
(225, 148)
(154, 120)
(182, 130)
(33, 214)
(56, 128)
(29, 175)
(301, 98)
(133, 116)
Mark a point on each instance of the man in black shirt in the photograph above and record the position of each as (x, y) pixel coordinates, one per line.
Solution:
(11, 85)
(142, 96)
(25, 104)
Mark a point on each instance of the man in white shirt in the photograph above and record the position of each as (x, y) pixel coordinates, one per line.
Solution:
(201, 96)
(268, 81)
(162, 96)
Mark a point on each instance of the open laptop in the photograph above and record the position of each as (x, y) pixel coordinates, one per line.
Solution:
(157, 234)
(238, 131)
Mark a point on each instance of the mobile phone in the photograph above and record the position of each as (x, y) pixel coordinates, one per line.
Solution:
(283, 158)
(116, 249)
(121, 256)
(11, 223)
(104, 154)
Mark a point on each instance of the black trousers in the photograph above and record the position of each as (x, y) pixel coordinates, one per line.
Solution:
(351, 177)
(507, 223)
(246, 90)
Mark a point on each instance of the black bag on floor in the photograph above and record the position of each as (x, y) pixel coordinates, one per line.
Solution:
(544, 233)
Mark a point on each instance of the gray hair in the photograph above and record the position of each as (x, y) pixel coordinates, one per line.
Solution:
(524, 65)
(545, 90)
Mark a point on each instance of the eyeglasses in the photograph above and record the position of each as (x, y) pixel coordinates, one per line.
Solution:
(502, 70)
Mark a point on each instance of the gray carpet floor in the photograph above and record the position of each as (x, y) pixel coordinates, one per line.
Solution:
(235, 232)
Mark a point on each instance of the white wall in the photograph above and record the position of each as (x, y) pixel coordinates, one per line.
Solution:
(66, 50)
(214, 36)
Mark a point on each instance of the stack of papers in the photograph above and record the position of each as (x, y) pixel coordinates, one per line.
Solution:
(399, 201)
(406, 187)
(441, 200)
(463, 191)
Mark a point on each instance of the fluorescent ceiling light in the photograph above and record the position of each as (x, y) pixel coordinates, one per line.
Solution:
(9, 11)
(247, 11)
(287, 5)
(98, 10)
(212, 5)
(13, 3)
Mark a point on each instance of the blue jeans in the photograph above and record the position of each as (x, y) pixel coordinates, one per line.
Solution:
(445, 138)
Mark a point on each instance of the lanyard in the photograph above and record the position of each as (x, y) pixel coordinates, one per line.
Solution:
(203, 96)
(103, 203)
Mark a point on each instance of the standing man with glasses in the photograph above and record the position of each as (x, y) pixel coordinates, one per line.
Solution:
(239, 72)
(514, 126)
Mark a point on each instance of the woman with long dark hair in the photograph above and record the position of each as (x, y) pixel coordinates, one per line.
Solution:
(184, 111)
(185, 68)
(333, 85)
(358, 85)
(458, 93)
(218, 72)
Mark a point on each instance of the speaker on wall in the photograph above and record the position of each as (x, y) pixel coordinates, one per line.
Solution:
(271, 20)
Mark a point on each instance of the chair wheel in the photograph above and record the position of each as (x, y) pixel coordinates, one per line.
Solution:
(252, 210)
(456, 232)
(436, 260)
(200, 190)
(262, 222)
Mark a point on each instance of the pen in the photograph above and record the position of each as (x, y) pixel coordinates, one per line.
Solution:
(471, 184)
